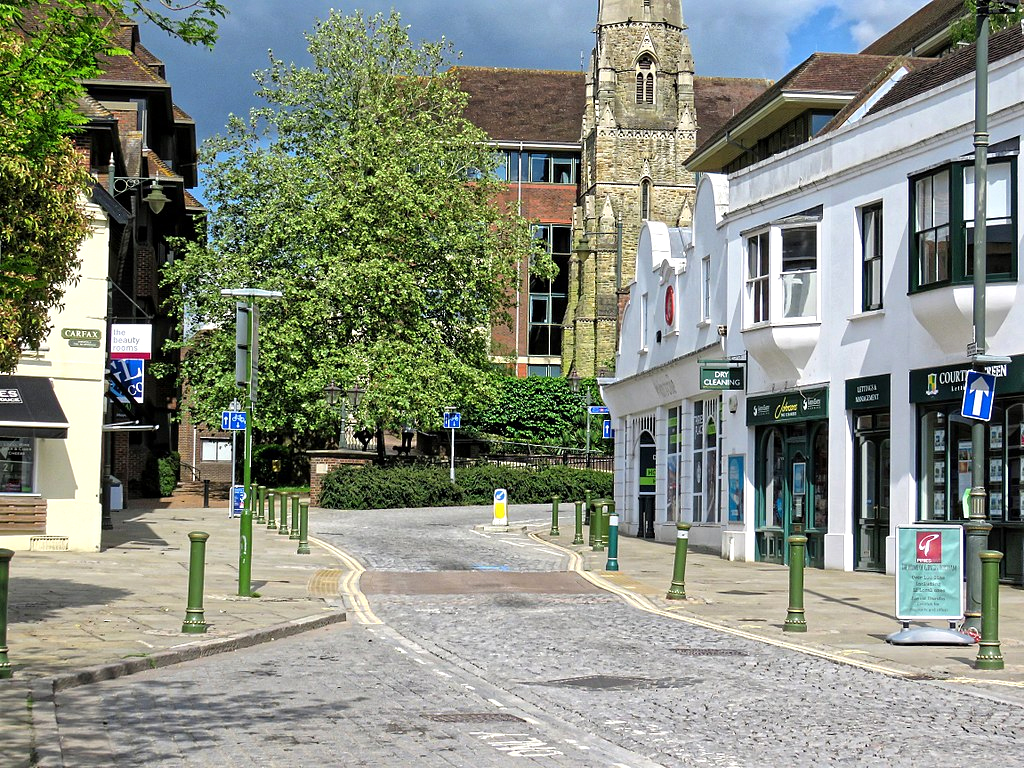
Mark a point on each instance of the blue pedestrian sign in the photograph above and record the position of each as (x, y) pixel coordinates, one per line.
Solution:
(232, 421)
(598, 410)
(979, 394)
(452, 420)
(606, 430)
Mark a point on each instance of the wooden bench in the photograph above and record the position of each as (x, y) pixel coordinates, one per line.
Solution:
(22, 514)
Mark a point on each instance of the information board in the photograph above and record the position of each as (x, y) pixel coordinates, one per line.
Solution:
(929, 572)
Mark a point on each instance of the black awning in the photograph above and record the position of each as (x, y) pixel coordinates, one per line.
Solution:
(29, 408)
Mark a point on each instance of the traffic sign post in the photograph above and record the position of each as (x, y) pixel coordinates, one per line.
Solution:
(452, 421)
(979, 395)
(607, 432)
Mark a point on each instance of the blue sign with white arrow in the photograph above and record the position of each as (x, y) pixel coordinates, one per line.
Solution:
(232, 421)
(979, 395)
(606, 430)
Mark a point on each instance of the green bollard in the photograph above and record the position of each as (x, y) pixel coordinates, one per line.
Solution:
(795, 619)
(303, 529)
(194, 623)
(554, 516)
(677, 591)
(578, 538)
(613, 544)
(271, 521)
(5, 578)
(282, 524)
(607, 510)
(597, 521)
(989, 654)
(261, 510)
(294, 535)
(586, 506)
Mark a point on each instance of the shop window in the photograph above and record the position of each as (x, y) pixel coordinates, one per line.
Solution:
(705, 460)
(772, 510)
(942, 240)
(819, 468)
(947, 456)
(17, 461)
(672, 461)
(871, 257)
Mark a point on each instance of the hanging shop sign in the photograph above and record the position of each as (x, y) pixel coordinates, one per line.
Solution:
(868, 392)
(131, 341)
(947, 383)
(722, 377)
(789, 407)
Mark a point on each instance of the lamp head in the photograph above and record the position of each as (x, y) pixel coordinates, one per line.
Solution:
(156, 199)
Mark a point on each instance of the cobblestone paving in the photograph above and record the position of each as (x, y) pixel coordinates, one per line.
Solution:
(521, 679)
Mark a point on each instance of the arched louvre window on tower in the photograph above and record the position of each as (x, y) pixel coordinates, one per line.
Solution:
(645, 79)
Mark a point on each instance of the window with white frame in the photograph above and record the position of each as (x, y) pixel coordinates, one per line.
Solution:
(782, 270)
(705, 293)
(758, 275)
(871, 257)
(215, 449)
(643, 322)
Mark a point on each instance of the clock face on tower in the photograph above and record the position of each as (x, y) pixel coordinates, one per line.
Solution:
(670, 305)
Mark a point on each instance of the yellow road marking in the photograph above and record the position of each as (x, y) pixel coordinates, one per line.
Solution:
(348, 585)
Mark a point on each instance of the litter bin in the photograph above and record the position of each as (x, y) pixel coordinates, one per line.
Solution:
(116, 493)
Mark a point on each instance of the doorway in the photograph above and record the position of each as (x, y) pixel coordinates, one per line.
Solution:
(871, 474)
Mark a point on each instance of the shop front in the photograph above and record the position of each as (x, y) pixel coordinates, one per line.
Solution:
(790, 472)
(945, 454)
(868, 402)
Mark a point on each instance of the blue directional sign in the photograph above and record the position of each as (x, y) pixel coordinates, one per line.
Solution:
(979, 394)
(452, 420)
(232, 421)
(598, 410)
(606, 430)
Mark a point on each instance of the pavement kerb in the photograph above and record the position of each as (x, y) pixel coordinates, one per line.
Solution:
(576, 564)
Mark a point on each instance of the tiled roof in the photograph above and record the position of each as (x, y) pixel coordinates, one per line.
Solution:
(157, 167)
(957, 64)
(543, 106)
(92, 109)
(900, 62)
(191, 204)
(719, 99)
(180, 115)
(524, 104)
(920, 27)
(841, 74)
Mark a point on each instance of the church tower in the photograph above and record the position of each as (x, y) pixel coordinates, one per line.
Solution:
(639, 125)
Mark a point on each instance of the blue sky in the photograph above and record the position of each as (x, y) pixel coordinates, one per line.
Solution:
(734, 38)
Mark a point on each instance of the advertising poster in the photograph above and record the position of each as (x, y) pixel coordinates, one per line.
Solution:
(929, 573)
(736, 489)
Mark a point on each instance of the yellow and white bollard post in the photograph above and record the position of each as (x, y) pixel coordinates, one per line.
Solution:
(500, 507)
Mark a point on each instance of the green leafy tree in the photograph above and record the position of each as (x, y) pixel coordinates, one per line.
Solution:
(360, 191)
(965, 29)
(46, 49)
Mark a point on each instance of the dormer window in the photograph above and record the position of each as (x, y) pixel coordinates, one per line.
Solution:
(645, 72)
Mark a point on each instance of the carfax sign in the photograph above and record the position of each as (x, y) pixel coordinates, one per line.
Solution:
(929, 573)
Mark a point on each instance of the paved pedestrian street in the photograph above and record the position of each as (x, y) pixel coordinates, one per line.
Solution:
(481, 650)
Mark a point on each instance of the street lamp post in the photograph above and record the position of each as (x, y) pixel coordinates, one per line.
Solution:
(977, 526)
(246, 367)
(353, 395)
(574, 382)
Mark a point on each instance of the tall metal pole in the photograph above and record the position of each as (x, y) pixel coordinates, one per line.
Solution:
(245, 527)
(977, 526)
(588, 428)
(453, 455)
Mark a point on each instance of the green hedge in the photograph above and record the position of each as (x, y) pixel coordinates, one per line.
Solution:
(405, 487)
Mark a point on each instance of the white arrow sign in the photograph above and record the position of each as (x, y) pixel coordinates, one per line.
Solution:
(980, 390)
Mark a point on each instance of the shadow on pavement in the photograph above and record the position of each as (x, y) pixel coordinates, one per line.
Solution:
(33, 599)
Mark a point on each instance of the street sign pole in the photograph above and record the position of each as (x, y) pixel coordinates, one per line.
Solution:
(245, 526)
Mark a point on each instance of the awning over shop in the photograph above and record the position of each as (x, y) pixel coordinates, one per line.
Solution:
(29, 408)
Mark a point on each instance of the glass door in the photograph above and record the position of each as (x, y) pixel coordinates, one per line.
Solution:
(871, 473)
